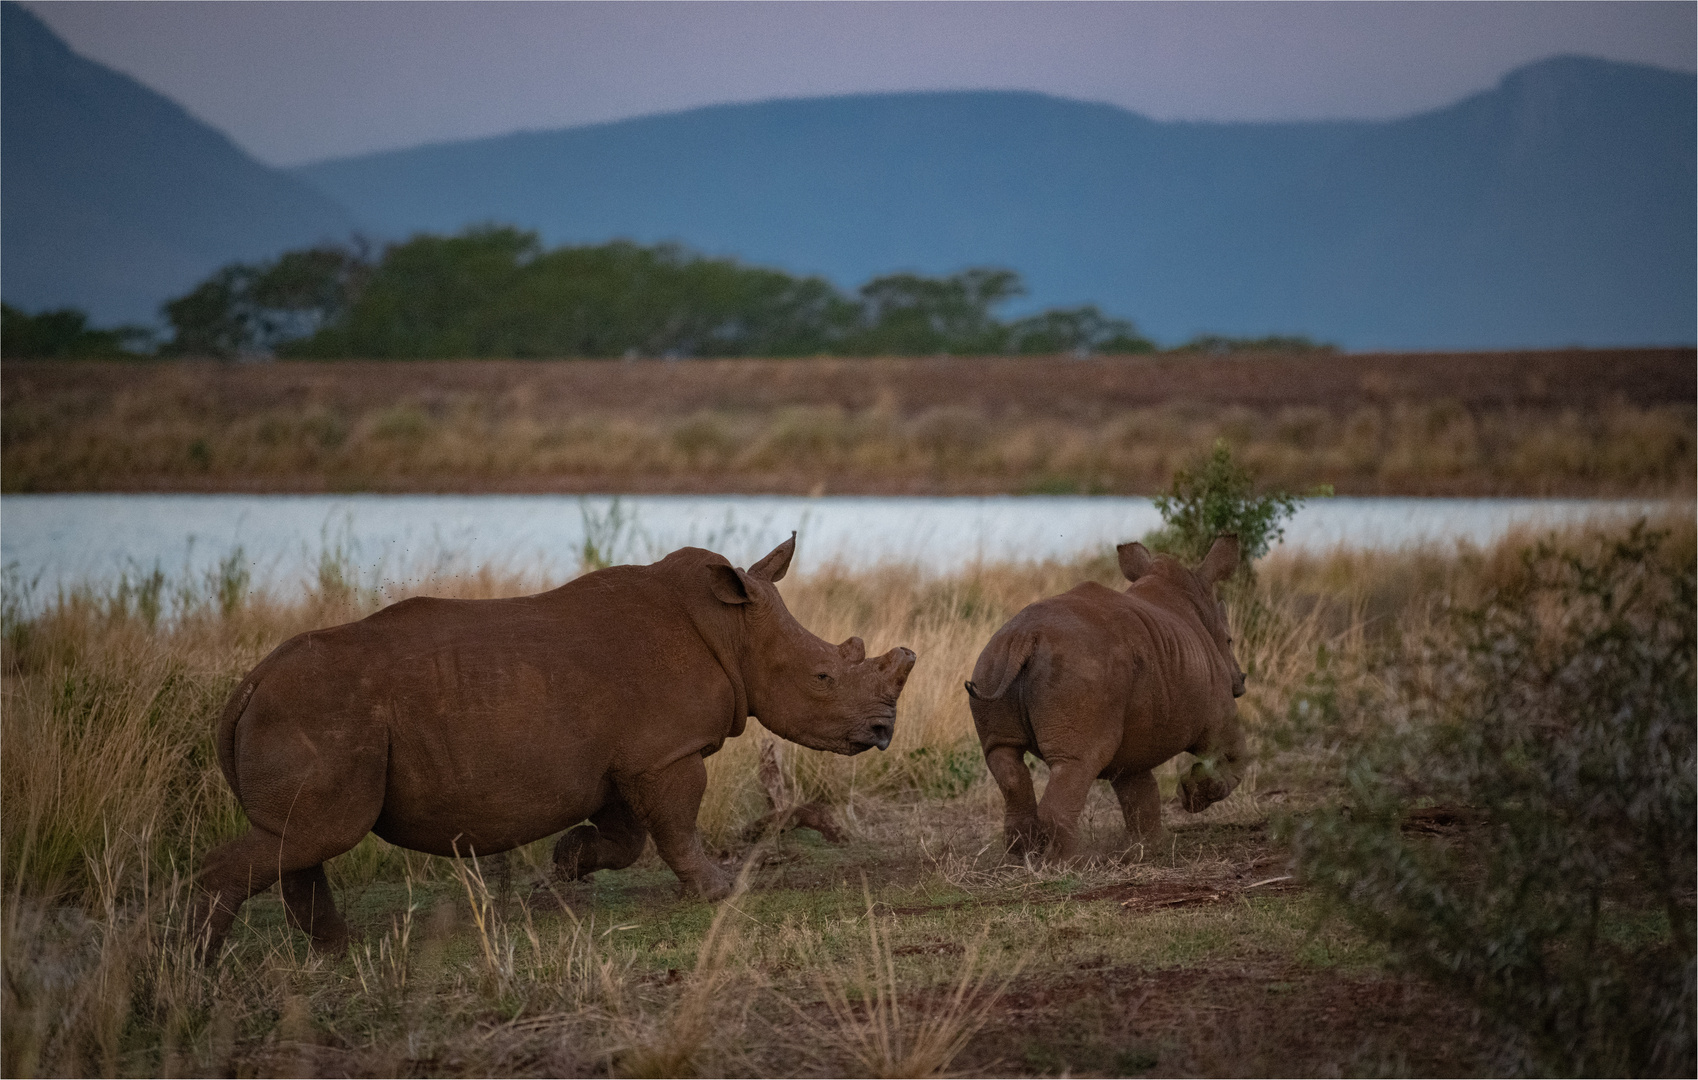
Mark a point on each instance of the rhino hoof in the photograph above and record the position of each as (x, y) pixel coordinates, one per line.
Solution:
(709, 888)
(1197, 795)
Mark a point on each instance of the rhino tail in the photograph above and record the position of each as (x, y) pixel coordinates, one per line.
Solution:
(233, 710)
(1000, 664)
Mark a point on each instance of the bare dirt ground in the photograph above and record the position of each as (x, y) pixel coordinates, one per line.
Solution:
(1207, 960)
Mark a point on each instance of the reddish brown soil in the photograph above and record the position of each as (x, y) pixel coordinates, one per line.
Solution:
(1257, 1016)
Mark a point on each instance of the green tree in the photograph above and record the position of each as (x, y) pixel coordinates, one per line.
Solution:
(494, 291)
(65, 334)
(434, 298)
(254, 309)
(1082, 331)
(211, 319)
(906, 314)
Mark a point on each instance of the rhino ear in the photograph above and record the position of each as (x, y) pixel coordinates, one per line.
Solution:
(1221, 560)
(1135, 560)
(727, 584)
(777, 561)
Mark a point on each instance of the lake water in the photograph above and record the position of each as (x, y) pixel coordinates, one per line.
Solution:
(59, 540)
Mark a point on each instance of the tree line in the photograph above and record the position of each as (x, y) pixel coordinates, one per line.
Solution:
(495, 291)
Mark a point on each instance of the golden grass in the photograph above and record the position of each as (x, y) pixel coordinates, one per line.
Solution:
(1386, 425)
(111, 793)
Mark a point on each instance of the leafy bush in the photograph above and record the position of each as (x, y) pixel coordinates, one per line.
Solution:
(1218, 497)
(1547, 738)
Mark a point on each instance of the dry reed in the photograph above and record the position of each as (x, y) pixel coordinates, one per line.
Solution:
(111, 793)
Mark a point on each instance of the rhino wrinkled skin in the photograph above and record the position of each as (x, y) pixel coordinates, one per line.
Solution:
(474, 726)
(1106, 684)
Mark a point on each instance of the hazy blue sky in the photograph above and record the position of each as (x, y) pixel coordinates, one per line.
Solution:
(294, 82)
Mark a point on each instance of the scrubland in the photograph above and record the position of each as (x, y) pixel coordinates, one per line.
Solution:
(910, 948)
(1559, 423)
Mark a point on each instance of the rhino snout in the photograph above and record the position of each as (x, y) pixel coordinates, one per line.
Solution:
(881, 733)
(877, 732)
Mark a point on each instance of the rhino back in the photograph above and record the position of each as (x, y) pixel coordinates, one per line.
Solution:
(1133, 667)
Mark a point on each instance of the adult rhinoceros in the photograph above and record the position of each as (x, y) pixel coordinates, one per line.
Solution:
(1099, 683)
(458, 726)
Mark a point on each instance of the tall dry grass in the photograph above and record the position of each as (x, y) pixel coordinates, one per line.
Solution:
(111, 793)
(1400, 448)
(107, 711)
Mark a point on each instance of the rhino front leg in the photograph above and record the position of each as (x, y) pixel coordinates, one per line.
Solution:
(666, 802)
(1140, 805)
(1204, 785)
(255, 860)
(612, 840)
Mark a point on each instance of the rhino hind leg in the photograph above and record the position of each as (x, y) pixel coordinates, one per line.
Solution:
(252, 863)
(311, 910)
(1064, 800)
(232, 872)
(1140, 805)
(612, 840)
(1020, 829)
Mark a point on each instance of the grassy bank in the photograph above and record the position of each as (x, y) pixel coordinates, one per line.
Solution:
(908, 949)
(1568, 423)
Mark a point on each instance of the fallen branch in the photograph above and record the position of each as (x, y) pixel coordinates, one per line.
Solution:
(784, 811)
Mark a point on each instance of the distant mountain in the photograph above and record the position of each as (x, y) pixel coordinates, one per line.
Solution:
(1557, 208)
(113, 198)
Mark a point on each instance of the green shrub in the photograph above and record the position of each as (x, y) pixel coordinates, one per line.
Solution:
(1527, 833)
(1218, 497)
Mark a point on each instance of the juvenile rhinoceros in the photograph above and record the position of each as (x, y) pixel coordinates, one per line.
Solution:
(1106, 684)
(460, 726)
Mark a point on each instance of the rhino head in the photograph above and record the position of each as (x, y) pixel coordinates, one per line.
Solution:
(803, 688)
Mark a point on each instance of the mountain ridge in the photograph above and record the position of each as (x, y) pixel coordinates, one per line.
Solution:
(1555, 208)
(116, 197)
